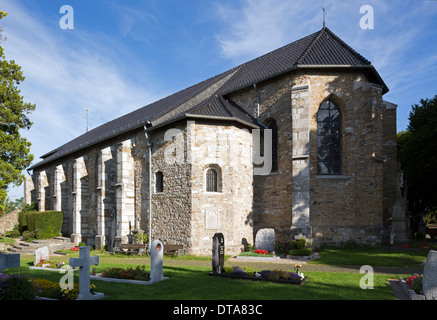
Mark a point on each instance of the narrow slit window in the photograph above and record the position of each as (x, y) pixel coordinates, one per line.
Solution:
(159, 182)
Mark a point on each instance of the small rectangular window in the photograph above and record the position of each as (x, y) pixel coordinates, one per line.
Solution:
(159, 182)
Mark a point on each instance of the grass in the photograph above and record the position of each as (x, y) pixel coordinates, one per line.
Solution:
(372, 256)
(194, 283)
(190, 281)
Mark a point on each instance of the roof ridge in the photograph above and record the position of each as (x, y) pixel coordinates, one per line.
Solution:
(310, 46)
(344, 44)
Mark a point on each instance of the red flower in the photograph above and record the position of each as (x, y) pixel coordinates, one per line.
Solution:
(259, 251)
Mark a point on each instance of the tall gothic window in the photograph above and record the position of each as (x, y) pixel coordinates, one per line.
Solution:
(328, 139)
(273, 126)
(159, 182)
(211, 180)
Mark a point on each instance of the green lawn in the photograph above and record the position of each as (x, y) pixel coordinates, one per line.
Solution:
(190, 282)
(373, 257)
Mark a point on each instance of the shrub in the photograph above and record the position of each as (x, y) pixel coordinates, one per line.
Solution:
(417, 284)
(228, 269)
(15, 233)
(46, 224)
(16, 287)
(298, 244)
(28, 235)
(300, 252)
(22, 220)
(249, 271)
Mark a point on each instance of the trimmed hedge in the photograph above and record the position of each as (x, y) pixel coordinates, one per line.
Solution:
(44, 225)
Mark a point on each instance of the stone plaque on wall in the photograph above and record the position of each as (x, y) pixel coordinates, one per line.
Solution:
(211, 219)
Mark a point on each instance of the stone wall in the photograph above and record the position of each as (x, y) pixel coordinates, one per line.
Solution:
(228, 150)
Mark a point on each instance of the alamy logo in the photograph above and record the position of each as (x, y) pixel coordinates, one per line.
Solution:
(366, 21)
(66, 21)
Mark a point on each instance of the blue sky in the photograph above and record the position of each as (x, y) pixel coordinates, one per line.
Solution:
(121, 56)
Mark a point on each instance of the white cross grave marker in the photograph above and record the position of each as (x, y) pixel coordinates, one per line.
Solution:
(84, 262)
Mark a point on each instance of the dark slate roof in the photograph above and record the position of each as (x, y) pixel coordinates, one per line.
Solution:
(320, 49)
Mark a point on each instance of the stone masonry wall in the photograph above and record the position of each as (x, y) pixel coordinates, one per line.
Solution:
(228, 150)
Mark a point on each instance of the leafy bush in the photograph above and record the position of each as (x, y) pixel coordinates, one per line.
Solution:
(28, 235)
(300, 252)
(15, 233)
(415, 282)
(47, 224)
(300, 248)
(22, 220)
(249, 271)
(16, 287)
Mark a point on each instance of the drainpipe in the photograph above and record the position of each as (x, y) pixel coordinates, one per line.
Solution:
(149, 145)
(257, 107)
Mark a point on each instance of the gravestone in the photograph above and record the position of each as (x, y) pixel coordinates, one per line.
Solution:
(84, 262)
(218, 252)
(9, 261)
(265, 239)
(41, 254)
(156, 263)
(430, 276)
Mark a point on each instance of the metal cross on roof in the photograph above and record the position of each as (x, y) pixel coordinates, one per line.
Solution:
(324, 12)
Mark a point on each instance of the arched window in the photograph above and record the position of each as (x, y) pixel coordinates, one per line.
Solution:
(211, 180)
(273, 126)
(159, 182)
(328, 139)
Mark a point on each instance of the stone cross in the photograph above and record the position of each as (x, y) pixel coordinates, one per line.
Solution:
(156, 263)
(84, 262)
(9, 261)
(430, 276)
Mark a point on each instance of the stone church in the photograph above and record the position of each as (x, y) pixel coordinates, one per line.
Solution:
(299, 141)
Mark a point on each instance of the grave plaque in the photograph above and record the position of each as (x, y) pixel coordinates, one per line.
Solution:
(430, 276)
(218, 252)
(41, 254)
(9, 261)
(156, 263)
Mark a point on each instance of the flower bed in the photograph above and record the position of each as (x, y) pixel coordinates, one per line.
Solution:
(137, 273)
(279, 276)
(17, 287)
(413, 287)
(50, 266)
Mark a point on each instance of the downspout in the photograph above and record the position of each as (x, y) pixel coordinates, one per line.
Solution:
(257, 107)
(149, 145)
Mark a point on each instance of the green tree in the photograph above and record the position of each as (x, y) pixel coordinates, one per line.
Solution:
(14, 149)
(417, 153)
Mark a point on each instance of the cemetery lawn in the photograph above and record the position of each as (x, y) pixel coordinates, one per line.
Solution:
(373, 256)
(189, 280)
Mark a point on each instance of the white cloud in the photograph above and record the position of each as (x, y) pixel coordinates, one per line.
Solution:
(262, 26)
(67, 71)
